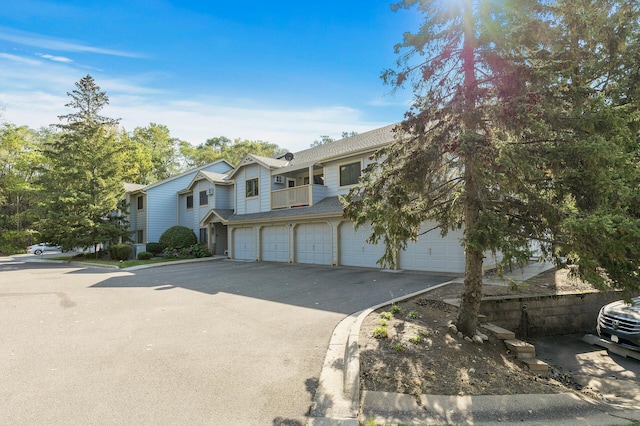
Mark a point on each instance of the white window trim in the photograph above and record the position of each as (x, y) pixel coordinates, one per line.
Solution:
(257, 179)
(347, 163)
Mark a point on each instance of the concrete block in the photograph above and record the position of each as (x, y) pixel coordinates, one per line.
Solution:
(523, 350)
(499, 332)
(537, 367)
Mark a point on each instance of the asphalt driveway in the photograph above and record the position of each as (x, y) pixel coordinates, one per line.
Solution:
(215, 343)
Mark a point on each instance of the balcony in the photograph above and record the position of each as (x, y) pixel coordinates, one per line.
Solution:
(290, 197)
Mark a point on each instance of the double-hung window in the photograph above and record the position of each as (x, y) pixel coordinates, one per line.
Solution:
(140, 202)
(350, 173)
(252, 187)
(189, 201)
(204, 198)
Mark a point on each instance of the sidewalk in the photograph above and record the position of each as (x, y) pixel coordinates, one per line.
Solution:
(338, 401)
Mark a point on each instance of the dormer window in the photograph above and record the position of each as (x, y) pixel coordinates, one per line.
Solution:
(252, 187)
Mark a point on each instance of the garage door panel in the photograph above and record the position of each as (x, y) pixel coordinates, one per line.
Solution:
(354, 250)
(434, 253)
(313, 243)
(275, 243)
(244, 245)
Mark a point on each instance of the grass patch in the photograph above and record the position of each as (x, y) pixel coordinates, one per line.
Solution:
(380, 332)
(119, 264)
(386, 315)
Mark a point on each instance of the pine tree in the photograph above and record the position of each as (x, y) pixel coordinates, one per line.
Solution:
(523, 128)
(83, 180)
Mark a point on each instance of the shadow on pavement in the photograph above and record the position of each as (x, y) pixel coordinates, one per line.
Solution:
(337, 289)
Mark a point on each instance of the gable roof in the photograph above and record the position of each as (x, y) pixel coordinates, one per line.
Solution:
(212, 177)
(132, 187)
(195, 169)
(361, 142)
(267, 162)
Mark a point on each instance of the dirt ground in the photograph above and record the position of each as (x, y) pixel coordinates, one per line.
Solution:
(420, 355)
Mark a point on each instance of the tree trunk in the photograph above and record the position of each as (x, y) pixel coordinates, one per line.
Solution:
(472, 294)
(467, 322)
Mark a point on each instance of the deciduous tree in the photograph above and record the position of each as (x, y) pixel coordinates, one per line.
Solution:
(224, 148)
(155, 141)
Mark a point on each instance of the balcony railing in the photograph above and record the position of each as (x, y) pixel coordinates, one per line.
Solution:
(290, 197)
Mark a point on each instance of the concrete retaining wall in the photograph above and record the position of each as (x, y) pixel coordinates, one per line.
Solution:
(533, 316)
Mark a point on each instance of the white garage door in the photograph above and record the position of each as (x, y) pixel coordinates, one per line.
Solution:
(244, 244)
(434, 253)
(313, 243)
(275, 243)
(354, 250)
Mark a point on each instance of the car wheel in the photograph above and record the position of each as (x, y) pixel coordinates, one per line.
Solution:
(38, 251)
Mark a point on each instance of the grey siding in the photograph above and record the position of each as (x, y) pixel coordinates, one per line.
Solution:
(332, 174)
(224, 197)
(163, 208)
(185, 215)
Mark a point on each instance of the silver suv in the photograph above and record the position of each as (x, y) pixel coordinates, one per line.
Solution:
(619, 322)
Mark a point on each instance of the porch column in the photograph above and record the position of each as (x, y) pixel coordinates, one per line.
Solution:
(311, 185)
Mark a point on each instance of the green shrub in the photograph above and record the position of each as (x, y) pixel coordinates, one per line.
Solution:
(178, 237)
(120, 251)
(199, 251)
(155, 248)
(386, 315)
(13, 242)
(380, 332)
(145, 255)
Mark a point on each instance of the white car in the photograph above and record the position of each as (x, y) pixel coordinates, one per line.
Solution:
(619, 322)
(41, 248)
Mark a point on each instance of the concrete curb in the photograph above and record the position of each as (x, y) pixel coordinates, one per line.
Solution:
(564, 408)
(337, 399)
(131, 268)
(177, 262)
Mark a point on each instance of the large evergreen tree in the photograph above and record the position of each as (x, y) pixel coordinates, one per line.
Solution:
(82, 184)
(524, 127)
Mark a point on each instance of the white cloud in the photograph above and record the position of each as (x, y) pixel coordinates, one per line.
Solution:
(56, 58)
(16, 58)
(196, 121)
(52, 43)
(34, 94)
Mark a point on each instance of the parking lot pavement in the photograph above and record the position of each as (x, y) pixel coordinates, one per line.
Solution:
(616, 378)
(217, 342)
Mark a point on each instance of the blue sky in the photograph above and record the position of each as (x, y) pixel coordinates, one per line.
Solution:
(282, 71)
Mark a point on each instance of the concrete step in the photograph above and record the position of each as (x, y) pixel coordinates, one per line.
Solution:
(456, 303)
(537, 367)
(523, 350)
(499, 332)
